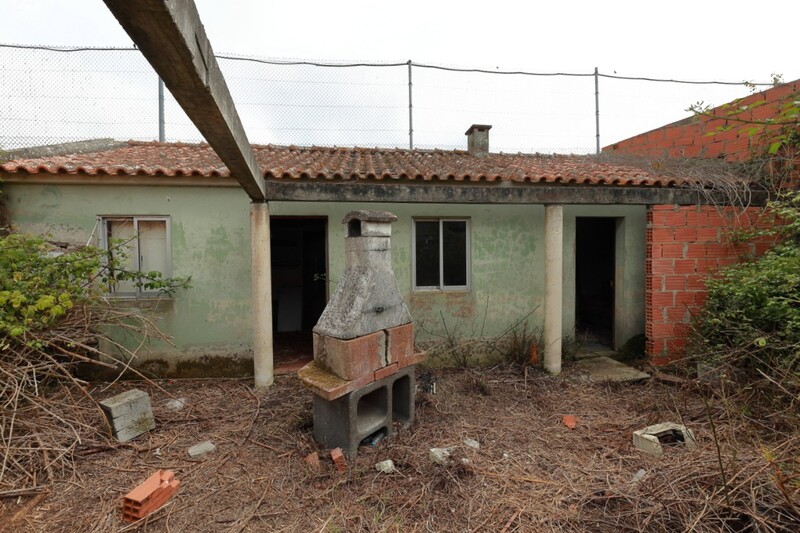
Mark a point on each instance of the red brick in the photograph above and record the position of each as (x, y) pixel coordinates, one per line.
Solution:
(707, 234)
(695, 283)
(414, 359)
(339, 459)
(663, 299)
(674, 283)
(676, 218)
(327, 384)
(675, 314)
(662, 330)
(687, 298)
(399, 342)
(662, 266)
(695, 218)
(695, 251)
(387, 370)
(351, 359)
(676, 346)
(685, 266)
(672, 250)
(663, 235)
(662, 207)
(312, 461)
(658, 218)
(685, 234)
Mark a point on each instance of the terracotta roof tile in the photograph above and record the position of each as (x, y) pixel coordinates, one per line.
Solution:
(378, 164)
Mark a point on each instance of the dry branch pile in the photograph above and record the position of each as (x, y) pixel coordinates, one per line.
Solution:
(531, 473)
(47, 417)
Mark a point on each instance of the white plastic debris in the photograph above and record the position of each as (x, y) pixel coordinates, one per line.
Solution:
(472, 443)
(202, 448)
(385, 467)
(638, 476)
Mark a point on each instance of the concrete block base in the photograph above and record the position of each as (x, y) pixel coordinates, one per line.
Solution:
(346, 421)
(653, 438)
(129, 414)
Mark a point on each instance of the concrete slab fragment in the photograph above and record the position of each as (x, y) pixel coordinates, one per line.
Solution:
(603, 368)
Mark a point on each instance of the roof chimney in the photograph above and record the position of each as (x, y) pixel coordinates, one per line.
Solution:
(478, 139)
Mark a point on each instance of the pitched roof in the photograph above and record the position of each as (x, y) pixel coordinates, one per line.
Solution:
(136, 158)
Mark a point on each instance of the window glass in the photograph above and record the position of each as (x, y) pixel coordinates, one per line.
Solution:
(121, 241)
(454, 253)
(153, 246)
(427, 253)
(137, 245)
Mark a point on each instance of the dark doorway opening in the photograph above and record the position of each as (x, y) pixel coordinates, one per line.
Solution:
(299, 285)
(595, 247)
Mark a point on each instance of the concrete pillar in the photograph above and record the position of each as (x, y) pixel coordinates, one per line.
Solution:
(262, 294)
(553, 281)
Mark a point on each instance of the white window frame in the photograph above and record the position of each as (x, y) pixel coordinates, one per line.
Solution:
(441, 286)
(135, 219)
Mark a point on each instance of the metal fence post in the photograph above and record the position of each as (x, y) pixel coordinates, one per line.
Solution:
(410, 111)
(597, 110)
(161, 129)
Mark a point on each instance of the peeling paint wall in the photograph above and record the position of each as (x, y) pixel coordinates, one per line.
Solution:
(210, 242)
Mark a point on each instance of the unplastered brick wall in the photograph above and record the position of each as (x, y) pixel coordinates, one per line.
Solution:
(698, 136)
(685, 245)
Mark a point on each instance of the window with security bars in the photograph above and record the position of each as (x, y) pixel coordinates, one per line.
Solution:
(139, 244)
(441, 254)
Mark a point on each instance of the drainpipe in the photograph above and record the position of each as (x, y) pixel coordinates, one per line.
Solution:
(262, 294)
(553, 282)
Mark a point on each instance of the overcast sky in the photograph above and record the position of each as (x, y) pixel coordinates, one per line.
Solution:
(697, 40)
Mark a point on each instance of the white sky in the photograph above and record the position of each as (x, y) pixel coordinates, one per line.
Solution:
(697, 40)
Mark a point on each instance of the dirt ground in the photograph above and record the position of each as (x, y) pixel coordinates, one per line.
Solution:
(531, 472)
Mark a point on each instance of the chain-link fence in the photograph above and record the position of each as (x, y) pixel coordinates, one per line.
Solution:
(53, 95)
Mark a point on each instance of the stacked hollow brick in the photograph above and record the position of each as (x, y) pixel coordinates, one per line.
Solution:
(701, 136)
(360, 361)
(149, 496)
(686, 244)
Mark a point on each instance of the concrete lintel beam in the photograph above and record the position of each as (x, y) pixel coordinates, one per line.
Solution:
(500, 193)
(172, 38)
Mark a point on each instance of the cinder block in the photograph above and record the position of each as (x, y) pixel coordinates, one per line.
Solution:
(346, 421)
(399, 343)
(129, 414)
(351, 359)
(652, 438)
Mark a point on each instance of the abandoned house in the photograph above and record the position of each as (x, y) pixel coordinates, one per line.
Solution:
(565, 245)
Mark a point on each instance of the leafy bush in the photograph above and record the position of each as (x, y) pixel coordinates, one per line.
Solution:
(752, 314)
(40, 283)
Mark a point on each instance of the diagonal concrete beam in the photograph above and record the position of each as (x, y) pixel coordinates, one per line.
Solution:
(172, 38)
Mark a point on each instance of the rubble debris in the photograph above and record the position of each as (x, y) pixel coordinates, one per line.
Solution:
(176, 404)
(570, 421)
(385, 467)
(129, 414)
(652, 439)
(149, 496)
(472, 443)
(441, 456)
(339, 459)
(202, 448)
(312, 461)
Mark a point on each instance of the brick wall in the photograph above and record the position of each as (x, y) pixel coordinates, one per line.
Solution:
(690, 137)
(685, 244)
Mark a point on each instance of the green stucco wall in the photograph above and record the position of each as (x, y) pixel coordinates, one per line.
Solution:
(210, 242)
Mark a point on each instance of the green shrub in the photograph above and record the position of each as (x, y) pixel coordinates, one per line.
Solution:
(752, 314)
(40, 283)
